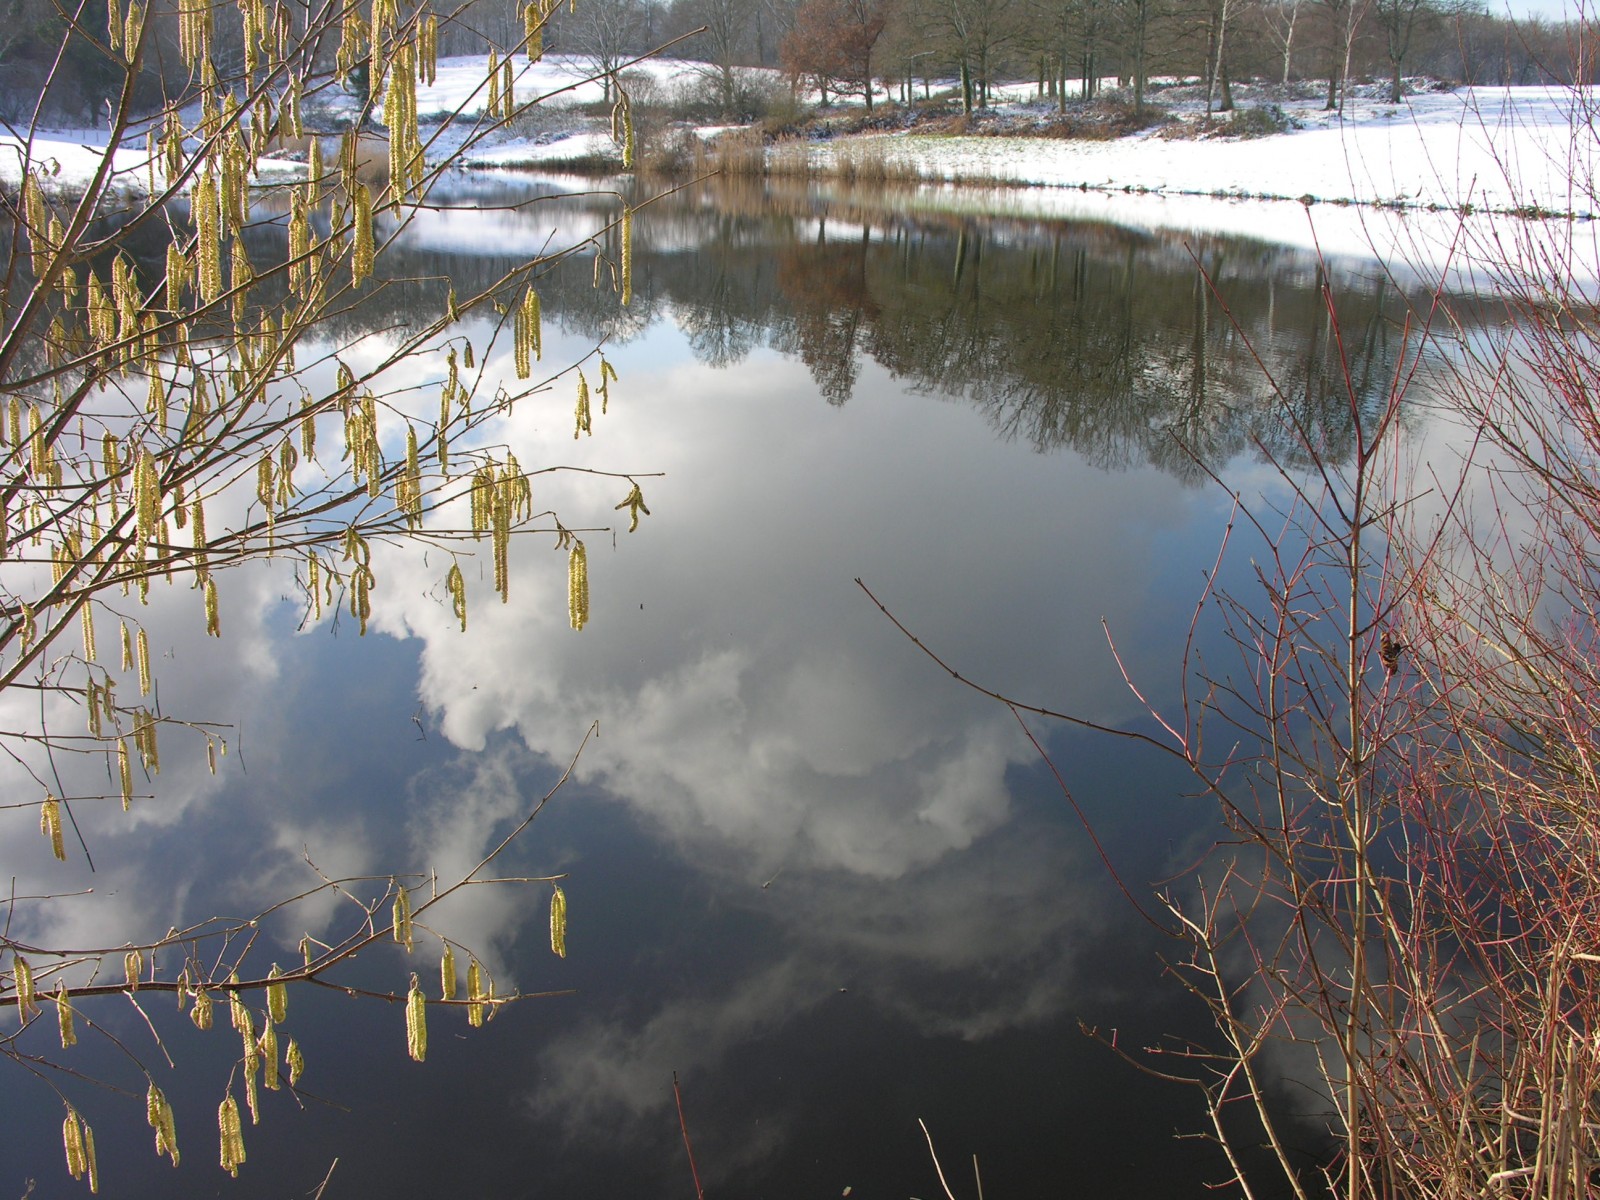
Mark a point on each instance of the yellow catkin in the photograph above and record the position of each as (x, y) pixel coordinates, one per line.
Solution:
(207, 212)
(584, 418)
(197, 520)
(447, 973)
(131, 31)
(269, 1057)
(363, 253)
(72, 1142)
(627, 249)
(430, 49)
(634, 503)
(65, 1016)
(402, 918)
(493, 107)
(409, 487)
(277, 997)
(22, 981)
(158, 1113)
(231, 1135)
(91, 1162)
(416, 1022)
(213, 616)
(533, 30)
(200, 1014)
(252, 1067)
(295, 1061)
(299, 242)
(38, 222)
(558, 923)
(475, 994)
(528, 336)
(578, 585)
(50, 826)
(124, 774)
(132, 968)
(457, 587)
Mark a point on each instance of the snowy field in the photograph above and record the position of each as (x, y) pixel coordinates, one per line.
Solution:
(1337, 178)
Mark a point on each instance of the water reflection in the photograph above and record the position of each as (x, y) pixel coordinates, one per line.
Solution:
(828, 888)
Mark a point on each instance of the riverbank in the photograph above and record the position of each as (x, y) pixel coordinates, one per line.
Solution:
(1399, 180)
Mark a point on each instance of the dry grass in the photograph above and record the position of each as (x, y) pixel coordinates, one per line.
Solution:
(865, 160)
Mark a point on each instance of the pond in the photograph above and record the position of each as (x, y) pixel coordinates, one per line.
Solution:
(809, 875)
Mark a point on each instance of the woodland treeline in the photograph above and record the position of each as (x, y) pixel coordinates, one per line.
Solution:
(1088, 337)
(877, 50)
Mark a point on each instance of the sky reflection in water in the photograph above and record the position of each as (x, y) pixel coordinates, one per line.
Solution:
(831, 889)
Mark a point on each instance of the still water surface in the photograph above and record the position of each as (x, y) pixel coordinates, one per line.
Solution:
(829, 888)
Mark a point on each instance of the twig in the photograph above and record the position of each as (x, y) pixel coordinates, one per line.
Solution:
(323, 1186)
(677, 1095)
(934, 1154)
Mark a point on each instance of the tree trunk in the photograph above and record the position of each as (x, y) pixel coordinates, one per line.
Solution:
(966, 88)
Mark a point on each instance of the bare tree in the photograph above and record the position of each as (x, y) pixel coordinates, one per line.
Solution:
(607, 33)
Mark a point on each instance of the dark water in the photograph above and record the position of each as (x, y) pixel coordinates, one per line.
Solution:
(829, 888)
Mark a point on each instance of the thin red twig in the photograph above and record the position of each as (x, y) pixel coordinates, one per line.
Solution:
(677, 1095)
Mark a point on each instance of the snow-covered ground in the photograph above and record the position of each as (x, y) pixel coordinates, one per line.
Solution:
(1336, 176)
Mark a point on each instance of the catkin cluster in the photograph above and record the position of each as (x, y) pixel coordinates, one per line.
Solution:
(38, 224)
(501, 497)
(195, 26)
(634, 503)
(502, 100)
(353, 47)
(408, 487)
(144, 740)
(527, 334)
(231, 1135)
(359, 555)
(158, 1112)
(406, 167)
(584, 419)
(428, 48)
(78, 1140)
